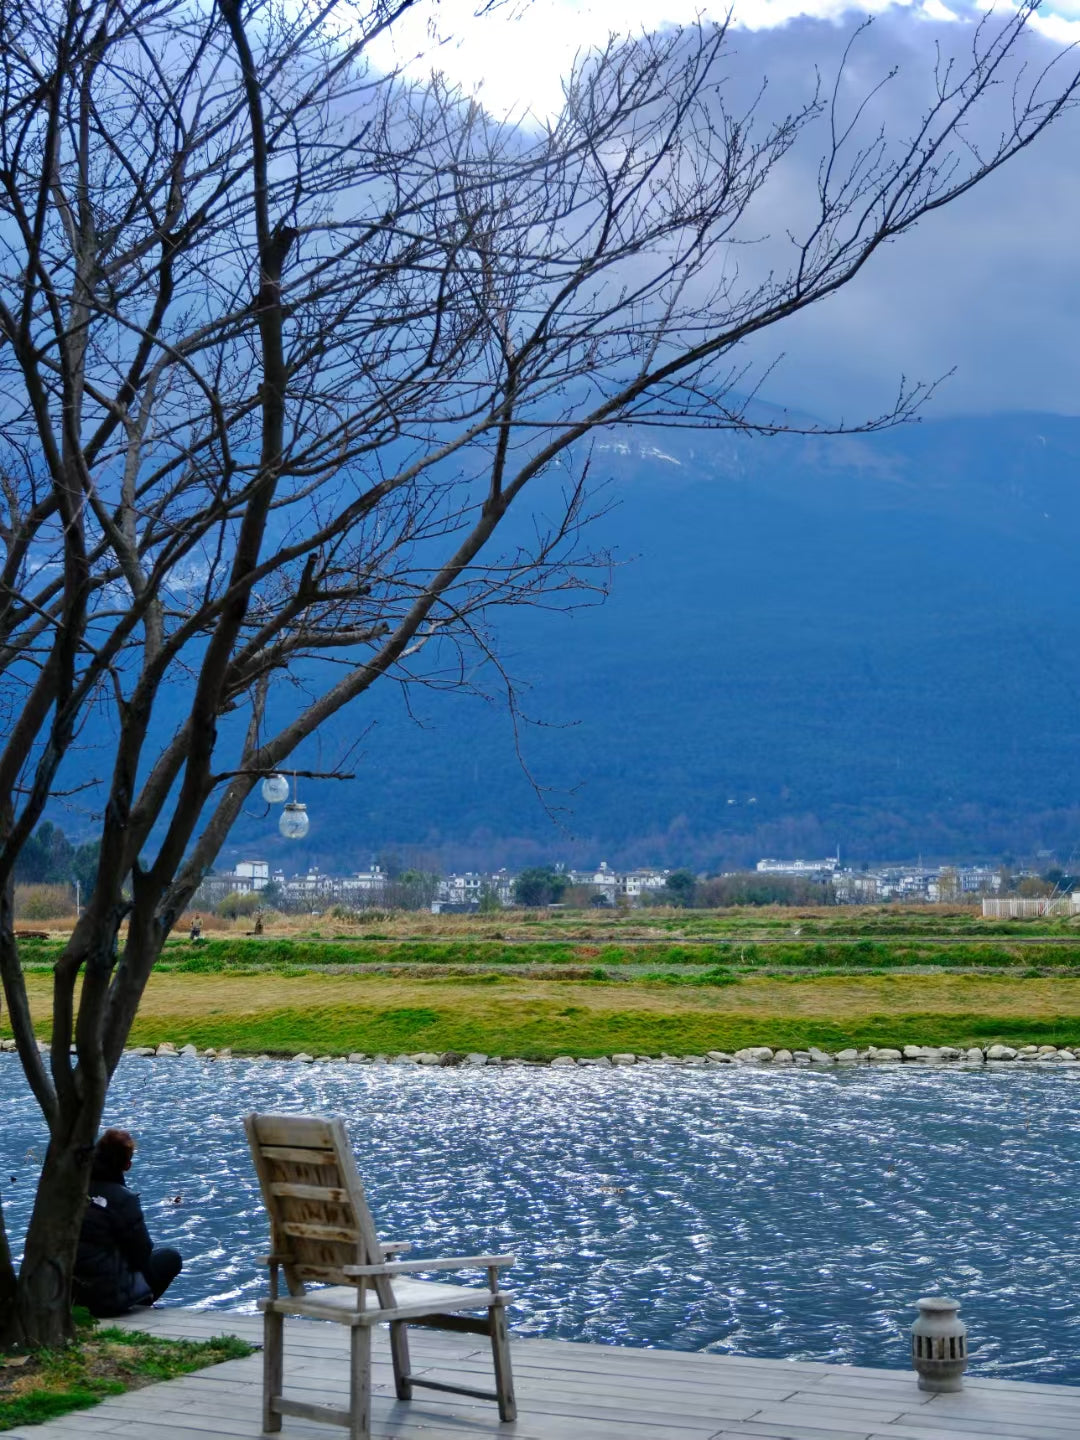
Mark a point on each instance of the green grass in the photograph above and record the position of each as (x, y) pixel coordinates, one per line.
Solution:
(282, 956)
(43, 1384)
(543, 1031)
(539, 997)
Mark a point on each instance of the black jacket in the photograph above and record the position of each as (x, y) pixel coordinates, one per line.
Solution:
(114, 1248)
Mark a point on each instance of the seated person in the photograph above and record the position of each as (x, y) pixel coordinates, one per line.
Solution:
(117, 1265)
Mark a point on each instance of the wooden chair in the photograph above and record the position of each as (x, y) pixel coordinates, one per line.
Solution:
(321, 1230)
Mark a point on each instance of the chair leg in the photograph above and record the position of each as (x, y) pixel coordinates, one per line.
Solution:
(273, 1367)
(500, 1353)
(360, 1383)
(399, 1353)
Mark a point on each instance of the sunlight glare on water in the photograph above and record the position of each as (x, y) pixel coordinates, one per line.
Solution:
(774, 1213)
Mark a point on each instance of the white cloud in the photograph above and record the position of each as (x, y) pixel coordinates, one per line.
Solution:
(988, 286)
(516, 56)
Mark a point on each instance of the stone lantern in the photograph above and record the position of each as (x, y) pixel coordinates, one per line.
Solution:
(939, 1344)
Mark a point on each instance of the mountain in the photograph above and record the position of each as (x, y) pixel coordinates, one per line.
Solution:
(867, 642)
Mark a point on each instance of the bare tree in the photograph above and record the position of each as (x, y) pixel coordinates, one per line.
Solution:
(283, 342)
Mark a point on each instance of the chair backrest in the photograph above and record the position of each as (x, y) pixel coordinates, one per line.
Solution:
(319, 1217)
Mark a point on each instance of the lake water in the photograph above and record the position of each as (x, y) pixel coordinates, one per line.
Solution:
(775, 1213)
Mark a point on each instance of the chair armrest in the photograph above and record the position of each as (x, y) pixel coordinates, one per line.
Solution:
(395, 1247)
(413, 1267)
(275, 1259)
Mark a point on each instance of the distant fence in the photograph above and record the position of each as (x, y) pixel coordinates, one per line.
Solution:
(1014, 908)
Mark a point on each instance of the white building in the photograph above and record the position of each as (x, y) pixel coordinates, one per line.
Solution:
(252, 875)
(808, 869)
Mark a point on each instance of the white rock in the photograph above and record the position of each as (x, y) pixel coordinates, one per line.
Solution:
(427, 1057)
(693, 1062)
(820, 1057)
(167, 1050)
(324, 1059)
(357, 1058)
(188, 1050)
(783, 1057)
(595, 1060)
(403, 1060)
(720, 1056)
(1048, 1049)
(914, 1052)
(1001, 1052)
(474, 1057)
(8, 1045)
(949, 1052)
(561, 1060)
(144, 1050)
(1066, 1055)
(209, 1053)
(379, 1060)
(754, 1054)
(304, 1058)
(623, 1060)
(975, 1055)
(1028, 1050)
(225, 1053)
(848, 1056)
(884, 1055)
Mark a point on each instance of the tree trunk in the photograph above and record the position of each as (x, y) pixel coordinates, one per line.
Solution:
(43, 1310)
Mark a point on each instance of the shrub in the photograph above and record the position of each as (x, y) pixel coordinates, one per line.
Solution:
(44, 902)
(234, 905)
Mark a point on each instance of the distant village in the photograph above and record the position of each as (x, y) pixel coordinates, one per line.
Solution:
(824, 882)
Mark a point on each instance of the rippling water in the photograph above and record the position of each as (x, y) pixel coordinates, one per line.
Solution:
(776, 1213)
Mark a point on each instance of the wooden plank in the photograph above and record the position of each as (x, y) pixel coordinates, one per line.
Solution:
(299, 1157)
(858, 1422)
(309, 1230)
(326, 1194)
(794, 1429)
(307, 1132)
(416, 1267)
(306, 1410)
(917, 1424)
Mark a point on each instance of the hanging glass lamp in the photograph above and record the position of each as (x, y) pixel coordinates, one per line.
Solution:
(275, 789)
(294, 821)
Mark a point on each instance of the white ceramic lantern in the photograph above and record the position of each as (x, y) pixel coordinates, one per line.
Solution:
(294, 821)
(275, 789)
(939, 1344)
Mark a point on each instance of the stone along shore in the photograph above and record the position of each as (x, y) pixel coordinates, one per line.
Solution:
(752, 1055)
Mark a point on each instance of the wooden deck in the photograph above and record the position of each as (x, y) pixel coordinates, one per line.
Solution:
(568, 1392)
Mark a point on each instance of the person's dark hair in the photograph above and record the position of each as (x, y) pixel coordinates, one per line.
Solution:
(114, 1150)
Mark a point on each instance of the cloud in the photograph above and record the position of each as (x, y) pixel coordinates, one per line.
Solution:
(988, 287)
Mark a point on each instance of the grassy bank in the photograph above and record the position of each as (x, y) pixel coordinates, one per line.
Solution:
(43, 1384)
(518, 1015)
(280, 954)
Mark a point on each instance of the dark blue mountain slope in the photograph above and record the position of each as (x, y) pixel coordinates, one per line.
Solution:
(867, 641)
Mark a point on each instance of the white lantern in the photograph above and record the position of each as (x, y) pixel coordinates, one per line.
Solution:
(275, 789)
(939, 1344)
(294, 821)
